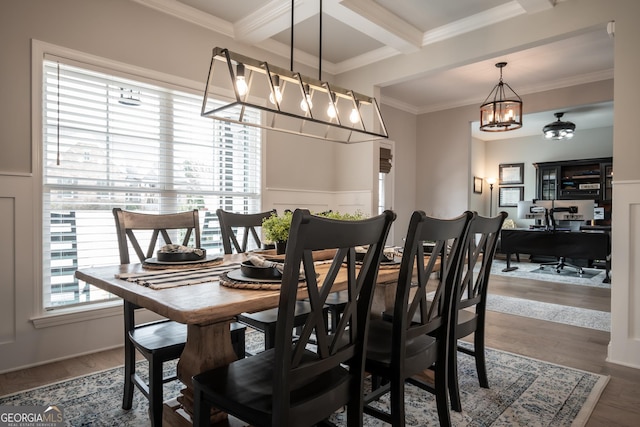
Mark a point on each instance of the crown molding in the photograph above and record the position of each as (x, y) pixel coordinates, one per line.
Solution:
(526, 90)
(400, 105)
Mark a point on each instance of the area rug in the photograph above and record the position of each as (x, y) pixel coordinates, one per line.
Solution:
(582, 317)
(524, 392)
(528, 270)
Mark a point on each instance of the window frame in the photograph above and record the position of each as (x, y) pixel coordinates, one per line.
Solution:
(40, 51)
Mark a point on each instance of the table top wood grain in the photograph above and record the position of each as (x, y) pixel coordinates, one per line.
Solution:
(202, 303)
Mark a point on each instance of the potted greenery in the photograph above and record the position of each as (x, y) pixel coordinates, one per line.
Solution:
(276, 228)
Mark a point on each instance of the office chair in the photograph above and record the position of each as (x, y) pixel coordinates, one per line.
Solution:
(561, 263)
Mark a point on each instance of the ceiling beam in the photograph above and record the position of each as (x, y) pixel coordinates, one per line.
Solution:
(271, 19)
(483, 19)
(377, 22)
(534, 6)
(190, 14)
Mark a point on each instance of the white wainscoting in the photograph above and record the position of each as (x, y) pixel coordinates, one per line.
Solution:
(624, 347)
(317, 201)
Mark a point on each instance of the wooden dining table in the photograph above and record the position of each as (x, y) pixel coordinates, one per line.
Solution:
(208, 309)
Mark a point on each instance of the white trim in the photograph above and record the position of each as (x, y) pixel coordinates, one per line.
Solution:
(23, 174)
(40, 49)
(624, 347)
(479, 20)
(190, 14)
(40, 52)
(78, 314)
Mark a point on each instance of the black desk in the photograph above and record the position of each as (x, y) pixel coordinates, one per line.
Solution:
(568, 244)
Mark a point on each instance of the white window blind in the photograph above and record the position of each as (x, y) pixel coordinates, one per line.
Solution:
(112, 140)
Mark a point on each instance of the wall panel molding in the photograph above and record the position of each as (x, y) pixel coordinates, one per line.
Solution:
(624, 347)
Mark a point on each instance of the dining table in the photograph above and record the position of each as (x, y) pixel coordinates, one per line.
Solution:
(208, 308)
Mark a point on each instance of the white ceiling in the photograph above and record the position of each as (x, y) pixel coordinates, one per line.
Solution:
(379, 29)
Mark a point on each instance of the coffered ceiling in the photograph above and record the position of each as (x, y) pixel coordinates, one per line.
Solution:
(357, 33)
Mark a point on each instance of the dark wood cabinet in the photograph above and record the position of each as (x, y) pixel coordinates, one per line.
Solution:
(577, 179)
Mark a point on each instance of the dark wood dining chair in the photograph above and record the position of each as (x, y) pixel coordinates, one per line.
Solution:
(248, 224)
(414, 338)
(163, 340)
(234, 224)
(297, 383)
(471, 299)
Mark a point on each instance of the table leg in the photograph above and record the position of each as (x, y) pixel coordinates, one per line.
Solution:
(508, 267)
(207, 347)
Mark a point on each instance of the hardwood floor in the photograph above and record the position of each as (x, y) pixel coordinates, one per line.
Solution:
(577, 347)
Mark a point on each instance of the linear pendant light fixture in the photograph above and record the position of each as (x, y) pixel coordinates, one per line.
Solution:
(293, 103)
(559, 129)
(502, 109)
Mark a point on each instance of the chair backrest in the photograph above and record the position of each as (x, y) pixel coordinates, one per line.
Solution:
(416, 311)
(127, 223)
(481, 245)
(247, 222)
(295, 364)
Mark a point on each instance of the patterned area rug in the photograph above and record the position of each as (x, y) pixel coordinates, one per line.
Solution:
(582, 317)
(528, 270)
(524, 392)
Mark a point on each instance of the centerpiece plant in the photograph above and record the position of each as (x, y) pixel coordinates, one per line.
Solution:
(276, 227)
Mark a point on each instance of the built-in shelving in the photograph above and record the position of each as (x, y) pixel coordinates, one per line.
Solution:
(577, 179)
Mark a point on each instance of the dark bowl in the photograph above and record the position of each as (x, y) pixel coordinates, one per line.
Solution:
(259, 272)
(180, 256)
(383, 258)
(428, 247)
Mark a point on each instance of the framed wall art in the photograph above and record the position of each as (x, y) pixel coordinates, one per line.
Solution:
(477, 185)
(511, 173)
(510, 196)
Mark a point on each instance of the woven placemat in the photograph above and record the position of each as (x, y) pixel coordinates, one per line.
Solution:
(389, 266)
(211, 263)
(230, 283)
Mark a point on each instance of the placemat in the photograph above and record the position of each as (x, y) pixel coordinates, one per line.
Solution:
(171, 278)
(230, 283)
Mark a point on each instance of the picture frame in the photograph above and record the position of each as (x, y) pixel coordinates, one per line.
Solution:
(511, 173)
(477, 185)
(510, 196)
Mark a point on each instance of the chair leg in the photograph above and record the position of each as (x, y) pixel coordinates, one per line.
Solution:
(155, 393)
(397, 402)
(479, 355)
(269, 337)
(441, 394)
(201, 411)
(355, 412)
(129, 372)
(454, 388)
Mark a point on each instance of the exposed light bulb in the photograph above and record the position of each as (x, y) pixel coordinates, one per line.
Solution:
(276, 88)
(354, 117)
(278, 95)
(331, 111)
(241, 83)
(305, 105)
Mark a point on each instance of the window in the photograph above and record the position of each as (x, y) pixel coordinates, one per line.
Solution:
(112, 139)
